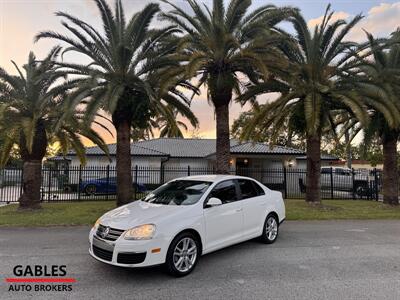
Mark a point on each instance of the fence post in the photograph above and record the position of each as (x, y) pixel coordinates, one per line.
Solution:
(352, 182)
(79, 182)
(331, 183)
(108, 180)
(188, 170)
(21, 190)
(42, 182)
(162, 174)
(49, 183)
(376, 184)
(135, 182)
(285, 181)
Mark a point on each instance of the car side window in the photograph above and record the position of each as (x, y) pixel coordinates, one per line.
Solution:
(247, 189)
(342, 172)
(225, 191)
(258, 188)
(325, 171)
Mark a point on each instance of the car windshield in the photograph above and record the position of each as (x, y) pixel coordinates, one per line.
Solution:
(178, 192)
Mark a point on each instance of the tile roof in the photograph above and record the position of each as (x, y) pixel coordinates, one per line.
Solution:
(261, 148)
(192, 148)
(135, 150)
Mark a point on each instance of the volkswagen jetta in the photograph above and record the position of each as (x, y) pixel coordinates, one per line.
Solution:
(186, 218)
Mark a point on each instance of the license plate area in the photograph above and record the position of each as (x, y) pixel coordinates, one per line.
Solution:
(103, 244)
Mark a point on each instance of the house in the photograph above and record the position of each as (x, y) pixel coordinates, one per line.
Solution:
(198, 153)
(163, 159)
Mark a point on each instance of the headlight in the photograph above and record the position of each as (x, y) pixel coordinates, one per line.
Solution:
(142, 232)
(96, 224)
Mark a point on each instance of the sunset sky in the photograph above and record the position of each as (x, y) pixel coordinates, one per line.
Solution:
(20, 20)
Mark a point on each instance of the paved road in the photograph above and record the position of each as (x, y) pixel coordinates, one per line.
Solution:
(311, 260)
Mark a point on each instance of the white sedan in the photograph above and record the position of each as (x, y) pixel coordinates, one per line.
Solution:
(186, 218)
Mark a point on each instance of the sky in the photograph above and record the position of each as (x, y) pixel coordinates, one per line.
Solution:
(21, 20)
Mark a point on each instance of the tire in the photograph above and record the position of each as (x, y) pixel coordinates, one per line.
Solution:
(361, 190)
(90, 189)
(269, 236)
(188, 263)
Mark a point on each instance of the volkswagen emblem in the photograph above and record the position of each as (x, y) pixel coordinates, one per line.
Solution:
(105, 232)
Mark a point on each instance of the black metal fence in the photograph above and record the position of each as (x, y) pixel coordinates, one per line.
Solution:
(99, 182)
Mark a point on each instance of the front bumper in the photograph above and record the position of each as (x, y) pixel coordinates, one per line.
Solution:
(113, 252)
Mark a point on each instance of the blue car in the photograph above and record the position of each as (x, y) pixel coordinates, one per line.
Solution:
(105, 186)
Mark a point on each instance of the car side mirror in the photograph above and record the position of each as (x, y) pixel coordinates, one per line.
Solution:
(213, 202)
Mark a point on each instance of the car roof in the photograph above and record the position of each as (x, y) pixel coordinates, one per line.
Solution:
(212, 178)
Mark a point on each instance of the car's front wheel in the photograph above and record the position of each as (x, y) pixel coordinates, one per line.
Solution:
(183, 254)
(90, 189)
(270, 229)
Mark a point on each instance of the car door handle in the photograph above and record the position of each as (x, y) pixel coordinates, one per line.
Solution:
(239, 209)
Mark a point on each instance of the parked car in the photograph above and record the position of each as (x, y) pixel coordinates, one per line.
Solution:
(186, 218)
(105, 186)
(343, 179)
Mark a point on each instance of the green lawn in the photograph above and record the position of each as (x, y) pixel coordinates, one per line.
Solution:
(69, 213)
(340, 210)
(85, 213)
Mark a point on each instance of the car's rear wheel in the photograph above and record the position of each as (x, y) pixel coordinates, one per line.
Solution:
(183, 254)
(361, 190)
(270, 229)
(90, 189)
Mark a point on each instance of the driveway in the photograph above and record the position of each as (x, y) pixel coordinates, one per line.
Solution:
(310, 260)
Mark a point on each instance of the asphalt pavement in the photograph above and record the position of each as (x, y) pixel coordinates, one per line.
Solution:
(310, 260)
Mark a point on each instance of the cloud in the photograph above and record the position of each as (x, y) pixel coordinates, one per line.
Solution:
(336, 16)
(380, 20)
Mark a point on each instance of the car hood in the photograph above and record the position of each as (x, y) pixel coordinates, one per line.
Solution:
(139, 212)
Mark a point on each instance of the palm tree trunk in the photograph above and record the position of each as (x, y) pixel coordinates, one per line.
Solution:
(223, 154)
(390, 170)
(313, 181)
(32, 168)
(31, 183)
(124, 162)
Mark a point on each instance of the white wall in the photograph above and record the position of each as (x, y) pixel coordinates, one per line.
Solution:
(184, 162)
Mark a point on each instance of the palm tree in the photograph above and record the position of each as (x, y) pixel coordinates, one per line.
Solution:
(123, 76)
(287, 135)
(32, 116)
(170, 126)
(314, 88)
(221, 47)
(379, 77)
(166, 122)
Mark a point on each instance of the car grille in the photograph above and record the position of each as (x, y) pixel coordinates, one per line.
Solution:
(112, 235)
(101, 253)
(131, 258)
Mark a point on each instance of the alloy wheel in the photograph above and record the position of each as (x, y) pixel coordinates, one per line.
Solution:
(271, 228)
(185, 254)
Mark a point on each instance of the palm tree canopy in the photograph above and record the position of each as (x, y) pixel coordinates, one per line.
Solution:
(166, 122)
(378, 78)
(125, 58)
(222, 45)
(34, 102)
(318, 83)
